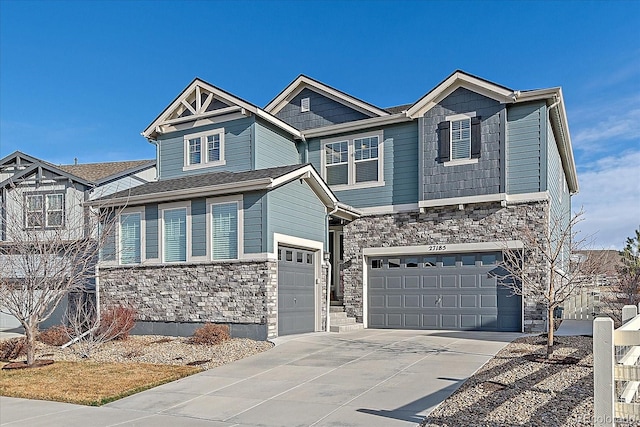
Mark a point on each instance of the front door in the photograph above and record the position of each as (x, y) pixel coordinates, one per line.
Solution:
(336, 251)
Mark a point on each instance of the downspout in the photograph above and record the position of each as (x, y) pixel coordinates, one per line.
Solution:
(329, 272)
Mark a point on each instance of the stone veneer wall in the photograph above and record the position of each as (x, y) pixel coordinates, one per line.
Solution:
(486, 222)
(240, 292)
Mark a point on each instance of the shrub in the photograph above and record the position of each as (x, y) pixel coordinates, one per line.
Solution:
(116, 322)
(210, 334)
(13, 348)
(55, 335)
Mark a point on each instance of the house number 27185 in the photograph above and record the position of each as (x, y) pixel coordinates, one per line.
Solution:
(437, 247)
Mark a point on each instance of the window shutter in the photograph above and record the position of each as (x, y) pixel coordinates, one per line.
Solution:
(476, 137)
(443, 136)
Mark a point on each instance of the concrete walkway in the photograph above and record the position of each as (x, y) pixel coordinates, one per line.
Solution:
(366, 378)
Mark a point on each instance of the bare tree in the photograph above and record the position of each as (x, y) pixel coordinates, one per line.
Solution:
(545, 271)
(50, 247)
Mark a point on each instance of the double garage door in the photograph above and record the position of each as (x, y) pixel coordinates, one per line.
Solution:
(296, 285)
(444, 291)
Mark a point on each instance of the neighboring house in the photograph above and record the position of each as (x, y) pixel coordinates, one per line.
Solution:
(261, 217)
(39, 197)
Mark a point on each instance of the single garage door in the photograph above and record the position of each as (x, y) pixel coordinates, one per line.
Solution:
(447, 291)
(296, 284)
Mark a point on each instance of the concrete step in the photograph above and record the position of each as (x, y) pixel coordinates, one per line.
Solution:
(346, 328)
(336, 308)
(342, 321)
(338, 315)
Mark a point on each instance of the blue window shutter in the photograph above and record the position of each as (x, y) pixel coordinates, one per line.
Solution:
(175, 235)
(130, 238)
(225, 231)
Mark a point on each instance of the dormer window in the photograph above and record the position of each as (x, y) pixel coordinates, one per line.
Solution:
(305, 105)
(204, 149)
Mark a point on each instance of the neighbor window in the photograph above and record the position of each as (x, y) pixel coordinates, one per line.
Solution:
(354, 161)
(130, 243)
(175, 234)
(204, 149)
(44, 210)
(224, 226)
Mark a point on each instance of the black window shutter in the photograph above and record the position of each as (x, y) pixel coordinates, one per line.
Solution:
(475, 137)
(444, 147)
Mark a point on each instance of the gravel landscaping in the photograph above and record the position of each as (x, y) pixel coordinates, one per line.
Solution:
(512, 389)
(162, 350)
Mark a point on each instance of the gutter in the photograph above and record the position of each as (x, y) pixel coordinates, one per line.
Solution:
(357, 125)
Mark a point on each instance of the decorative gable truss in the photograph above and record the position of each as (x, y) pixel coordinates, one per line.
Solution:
(202, 103)
(19, 168)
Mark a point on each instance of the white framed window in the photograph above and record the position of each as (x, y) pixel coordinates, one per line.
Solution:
(44, 210)
(225, 235)
(355, 161)
(131, 236)
(460, 143)
(204, 149)
(174, 232)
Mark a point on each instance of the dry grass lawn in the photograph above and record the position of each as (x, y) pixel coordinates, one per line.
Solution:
(87, 383)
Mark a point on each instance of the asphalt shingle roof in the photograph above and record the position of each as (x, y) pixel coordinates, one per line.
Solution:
(398, 108)
(204, 180)
(94, 172)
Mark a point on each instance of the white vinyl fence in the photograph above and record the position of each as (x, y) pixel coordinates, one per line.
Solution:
(584, 305)
(616, 369)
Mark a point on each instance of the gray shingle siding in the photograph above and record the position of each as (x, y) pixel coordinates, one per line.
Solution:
(323, 112)
(484, 177)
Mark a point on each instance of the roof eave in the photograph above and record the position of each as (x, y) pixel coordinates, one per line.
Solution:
(356, 125)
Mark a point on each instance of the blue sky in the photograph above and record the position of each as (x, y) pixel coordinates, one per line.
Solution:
(83, 79)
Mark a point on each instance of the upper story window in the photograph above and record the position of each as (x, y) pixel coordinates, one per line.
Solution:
(354, 161)
(459, 139)
(204, 149)
(44, 210)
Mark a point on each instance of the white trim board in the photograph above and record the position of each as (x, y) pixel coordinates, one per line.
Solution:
(443, 248)
(497, 197)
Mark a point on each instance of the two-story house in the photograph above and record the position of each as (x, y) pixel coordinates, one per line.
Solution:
(412, 206)
(42, 202)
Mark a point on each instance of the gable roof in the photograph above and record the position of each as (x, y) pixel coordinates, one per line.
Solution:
(304, 82)
(25, 166)
(196, 102)
(100, 172)
(456, 80)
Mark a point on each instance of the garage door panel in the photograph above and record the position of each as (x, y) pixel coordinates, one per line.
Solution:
(394, 282)
(412, 282)
(468, 301)
(468, 281)
(296, 292)
(453, 293)
(449, 301)
(412, 301)
(430, 282)
(376, 283)
(449, 281)
(468, 321)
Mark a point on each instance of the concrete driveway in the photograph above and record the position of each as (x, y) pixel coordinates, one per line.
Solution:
(365, 378)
